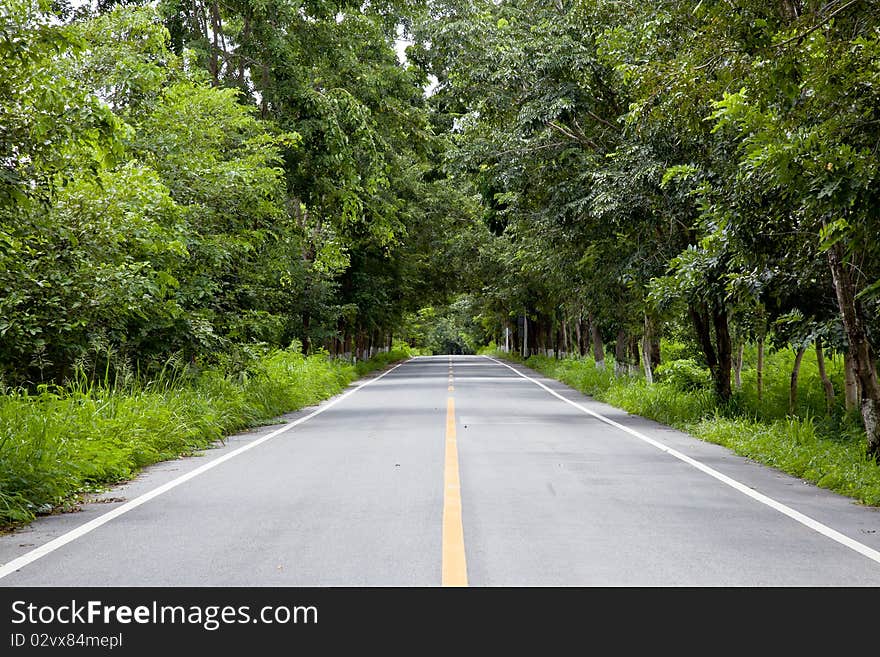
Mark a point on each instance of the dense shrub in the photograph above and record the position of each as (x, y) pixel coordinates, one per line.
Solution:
(685, 374)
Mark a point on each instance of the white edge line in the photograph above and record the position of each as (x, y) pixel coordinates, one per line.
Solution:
(815, 525)
(29, 557)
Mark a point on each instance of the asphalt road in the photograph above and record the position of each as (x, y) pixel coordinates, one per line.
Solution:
(454, 471)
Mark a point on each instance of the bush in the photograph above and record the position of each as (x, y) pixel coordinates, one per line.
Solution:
(684, 374)
(674, 350)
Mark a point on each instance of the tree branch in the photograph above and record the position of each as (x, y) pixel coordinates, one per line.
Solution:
(598, 118)
(532, 149)
(582, 138)
(834, 13)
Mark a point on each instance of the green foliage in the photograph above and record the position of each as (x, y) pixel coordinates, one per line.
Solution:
(452, 329)
(664, 402)
(100, 262)
(777, 382)
(399, 351)
(685, 374)
(213, 183)
(189, 222)
(50, 126)
(796, 446)
(677, 350)
(646, 163)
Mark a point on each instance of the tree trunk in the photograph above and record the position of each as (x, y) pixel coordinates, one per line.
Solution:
(620, 357)
(306, 342)
(851, 391)
(264, 96)
(635, 357)
(584, 328)
(201, 18)
(245, 38)
(647, 341)
(718, 356)
(525, 348)
(655, 351)
(598, 345)
(759, 369)
(646, 361)
(566, 348)
(790, 9)
(795, 373)
(215, 44)
(547, 333)
(725, 353)
(560, 338)
(823, 374)
(863, 357)
(699, 315)
(543, 334)
(534, 337)
(737, 374)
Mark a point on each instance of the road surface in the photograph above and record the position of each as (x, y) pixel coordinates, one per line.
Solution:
(455, 471)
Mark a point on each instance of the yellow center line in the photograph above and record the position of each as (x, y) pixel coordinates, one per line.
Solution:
(454, 567)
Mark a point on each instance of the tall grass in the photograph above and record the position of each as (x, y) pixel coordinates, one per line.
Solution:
(777, 372)
(62, 441)
(825, 448)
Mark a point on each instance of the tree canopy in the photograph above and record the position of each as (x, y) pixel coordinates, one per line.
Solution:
(200, 180)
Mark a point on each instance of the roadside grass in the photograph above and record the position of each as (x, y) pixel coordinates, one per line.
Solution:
(827, 449)
(59, 443)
